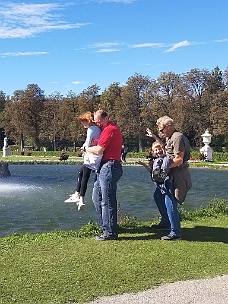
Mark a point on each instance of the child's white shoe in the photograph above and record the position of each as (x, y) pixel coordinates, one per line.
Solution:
(81, 203)
(74, 198)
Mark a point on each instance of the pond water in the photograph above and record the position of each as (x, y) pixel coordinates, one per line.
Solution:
(32, 198)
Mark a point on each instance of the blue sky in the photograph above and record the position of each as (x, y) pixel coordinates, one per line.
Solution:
(63, 46)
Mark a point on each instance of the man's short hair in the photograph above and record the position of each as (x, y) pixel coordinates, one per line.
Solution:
(165, 121)
(101, 113)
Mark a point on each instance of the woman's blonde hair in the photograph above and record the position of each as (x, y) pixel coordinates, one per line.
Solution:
(88, 116)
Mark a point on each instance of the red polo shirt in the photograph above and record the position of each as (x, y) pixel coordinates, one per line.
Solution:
(111, 141)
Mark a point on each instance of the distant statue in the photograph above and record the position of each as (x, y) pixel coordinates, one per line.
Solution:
(6, 150)
(5, 143)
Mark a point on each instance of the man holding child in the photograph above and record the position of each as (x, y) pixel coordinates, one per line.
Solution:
(177, 148)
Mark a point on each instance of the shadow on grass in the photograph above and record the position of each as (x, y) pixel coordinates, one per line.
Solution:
(205, 234)
(140, 233)
(195, 234)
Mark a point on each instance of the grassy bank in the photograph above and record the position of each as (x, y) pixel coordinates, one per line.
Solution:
(74, 160)
(50, 157)
(68, 267)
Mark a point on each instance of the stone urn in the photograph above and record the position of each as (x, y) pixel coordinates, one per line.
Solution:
(206, 149)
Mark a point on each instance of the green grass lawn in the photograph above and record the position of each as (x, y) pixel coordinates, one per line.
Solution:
(61, 267)
(65, 267)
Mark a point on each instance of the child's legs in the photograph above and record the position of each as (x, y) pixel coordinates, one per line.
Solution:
(84, 180)
(80, 174)
(173, 214)
(159, 199)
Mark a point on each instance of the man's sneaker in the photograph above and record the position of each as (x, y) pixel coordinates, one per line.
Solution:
(170, 237)
(74, 198)
(160, 227)
(106, 237)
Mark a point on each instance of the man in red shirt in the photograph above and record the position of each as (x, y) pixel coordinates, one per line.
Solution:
(105, 186)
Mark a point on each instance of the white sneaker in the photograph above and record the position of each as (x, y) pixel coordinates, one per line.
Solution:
(74, 198)
(81, 203)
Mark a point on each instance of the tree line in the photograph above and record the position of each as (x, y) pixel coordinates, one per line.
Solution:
(196, 100)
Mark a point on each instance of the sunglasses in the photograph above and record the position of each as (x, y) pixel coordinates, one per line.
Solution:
(161, 130)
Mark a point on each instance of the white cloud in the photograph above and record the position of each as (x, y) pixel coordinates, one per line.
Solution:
(7, 54)
(77, 82)
(107, 50)
(80, 49)
(149, 45)
(221, 40)
(178, 45)
(105, 44)
(106, 47)
(21, 20)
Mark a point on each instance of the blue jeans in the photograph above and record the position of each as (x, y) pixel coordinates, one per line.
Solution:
(167, 206)
(104, 196)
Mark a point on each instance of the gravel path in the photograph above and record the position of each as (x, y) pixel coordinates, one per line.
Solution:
(207, 291)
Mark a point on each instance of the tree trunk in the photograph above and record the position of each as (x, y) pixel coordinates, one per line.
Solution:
(74, 146)
(22, 142)
(55, 143)
(37, 143)
(141, 144)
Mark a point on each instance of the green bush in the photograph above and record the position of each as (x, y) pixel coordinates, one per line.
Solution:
(217, 156)
(136, 155)
(213, 209)
(220, 156)
(47, 153)
(88, 230)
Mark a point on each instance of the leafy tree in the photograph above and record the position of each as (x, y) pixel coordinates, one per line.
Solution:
(31, 104)
(195, 83)
(110, 101)
(215, 81)
(23, 114)
(219, 113)
(69, 125)
(89, 99)
(196, 100)
(2, 101)
(2, 105)
(67, 113)
(161, 94)
(131, 119)
(50, 125)
(13, 122)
